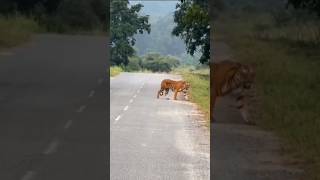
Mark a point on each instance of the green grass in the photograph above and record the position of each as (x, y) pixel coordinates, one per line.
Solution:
(199, 91)
(288, 86)
(115, 70)
(16, 30)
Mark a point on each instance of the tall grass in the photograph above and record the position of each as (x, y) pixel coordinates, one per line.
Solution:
(288, 85)
(199, 92)
(115, 70)
(15, 30)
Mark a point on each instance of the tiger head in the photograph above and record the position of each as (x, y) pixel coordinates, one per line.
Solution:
(248, 73)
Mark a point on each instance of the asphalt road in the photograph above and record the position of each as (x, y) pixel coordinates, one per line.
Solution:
(53, 101)
(155, 138)
(245, 152)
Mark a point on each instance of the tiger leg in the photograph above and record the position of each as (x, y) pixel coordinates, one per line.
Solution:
(242, 107)
(160, 92)
(175, 95)
(213, 102)
(167, 91)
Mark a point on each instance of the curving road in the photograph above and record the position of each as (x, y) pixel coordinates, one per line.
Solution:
(155, 138)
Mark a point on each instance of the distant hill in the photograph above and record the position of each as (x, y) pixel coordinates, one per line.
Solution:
(161, 41)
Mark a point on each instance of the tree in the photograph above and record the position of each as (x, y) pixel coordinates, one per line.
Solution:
(125, 23)
(68, 14)
(192, 19)
(60, 15)
(134, 64)
(310, 5)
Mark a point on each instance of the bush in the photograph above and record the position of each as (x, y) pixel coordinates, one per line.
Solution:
(15, 30)
(134, 64)
(115, 70)
(157, 66)
(157, 63)
(61, 15)
(76, 15)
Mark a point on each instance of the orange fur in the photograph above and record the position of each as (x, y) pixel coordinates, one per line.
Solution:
(176, 86)
(227, 76)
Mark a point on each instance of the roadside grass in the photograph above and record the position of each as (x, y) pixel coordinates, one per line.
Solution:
(138, 71)
(199, 92)
(115, 70)
(16, 30)
(288, 86)
(64, 29)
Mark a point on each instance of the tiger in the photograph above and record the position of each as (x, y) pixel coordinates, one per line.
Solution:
(176, 86)
(231, 77)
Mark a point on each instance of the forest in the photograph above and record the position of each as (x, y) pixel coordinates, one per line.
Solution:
(59, 15)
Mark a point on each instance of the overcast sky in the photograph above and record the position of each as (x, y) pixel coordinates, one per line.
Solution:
(156, 8)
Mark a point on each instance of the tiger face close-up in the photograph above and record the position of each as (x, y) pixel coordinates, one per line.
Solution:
(227, 77)
(176, 86)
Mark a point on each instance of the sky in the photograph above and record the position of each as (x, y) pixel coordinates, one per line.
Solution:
(156, 8)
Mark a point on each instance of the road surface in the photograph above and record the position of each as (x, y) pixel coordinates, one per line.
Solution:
(155, 138)
(245, 152)
(53, 101)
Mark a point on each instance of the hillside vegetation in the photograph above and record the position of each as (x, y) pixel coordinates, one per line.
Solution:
(15, 30)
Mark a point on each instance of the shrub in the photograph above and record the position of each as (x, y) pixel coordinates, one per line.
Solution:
(15, 30)
(115, 70)
(134, 64)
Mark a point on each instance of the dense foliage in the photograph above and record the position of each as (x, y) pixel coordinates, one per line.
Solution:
(60, 15)
(153, 62)
(310, 5)
(125, 23)
(193, 27)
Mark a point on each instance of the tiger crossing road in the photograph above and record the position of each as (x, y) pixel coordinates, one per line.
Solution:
(155, 138)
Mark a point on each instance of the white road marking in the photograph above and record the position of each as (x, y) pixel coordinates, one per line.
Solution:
(91, 93)
(135, 96)
(118, 117)
(126, 108)
(68, 124)
(144, 145)
(29, 175)
(81, 109)
(52, 147)
(196, 114)
(138, 91)
(131, 100)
